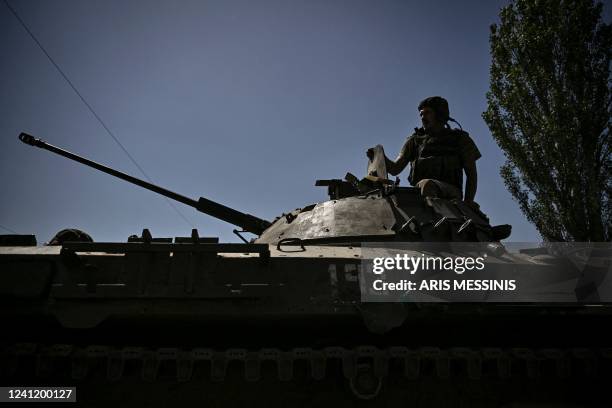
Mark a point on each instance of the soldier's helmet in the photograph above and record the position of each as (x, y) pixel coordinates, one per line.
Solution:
(438, 104)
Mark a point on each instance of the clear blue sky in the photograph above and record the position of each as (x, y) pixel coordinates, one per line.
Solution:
(244, 102)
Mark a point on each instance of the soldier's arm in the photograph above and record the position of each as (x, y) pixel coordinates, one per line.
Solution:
(469, 154)
(396, 167)
(471, 180)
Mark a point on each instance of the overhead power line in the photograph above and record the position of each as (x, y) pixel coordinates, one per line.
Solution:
(9, 230)
(89, 107)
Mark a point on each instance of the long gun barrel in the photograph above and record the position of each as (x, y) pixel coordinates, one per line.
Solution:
(247, 222)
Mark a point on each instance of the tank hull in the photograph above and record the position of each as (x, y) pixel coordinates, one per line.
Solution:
(282, 325)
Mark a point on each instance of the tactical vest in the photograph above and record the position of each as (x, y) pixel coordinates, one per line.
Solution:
(438, 157)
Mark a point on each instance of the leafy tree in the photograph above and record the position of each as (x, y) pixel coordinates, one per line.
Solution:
(549, 110)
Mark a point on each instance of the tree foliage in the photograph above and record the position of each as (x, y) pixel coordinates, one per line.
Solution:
(549, 110)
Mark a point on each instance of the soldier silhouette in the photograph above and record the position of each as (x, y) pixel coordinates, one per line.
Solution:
(438, 155)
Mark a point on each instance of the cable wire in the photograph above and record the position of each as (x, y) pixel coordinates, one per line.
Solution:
(93, 112)
(9, 230)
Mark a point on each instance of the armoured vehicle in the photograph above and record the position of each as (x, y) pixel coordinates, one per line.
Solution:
(281, 320)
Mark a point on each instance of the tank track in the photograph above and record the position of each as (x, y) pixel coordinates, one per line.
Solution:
(366, 371)
(474, 363)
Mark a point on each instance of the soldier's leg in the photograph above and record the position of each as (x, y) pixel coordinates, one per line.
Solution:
(429, 188)
(448, 190)
(439, 189)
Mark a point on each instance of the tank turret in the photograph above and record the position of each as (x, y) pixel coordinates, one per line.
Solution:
(371, 209)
